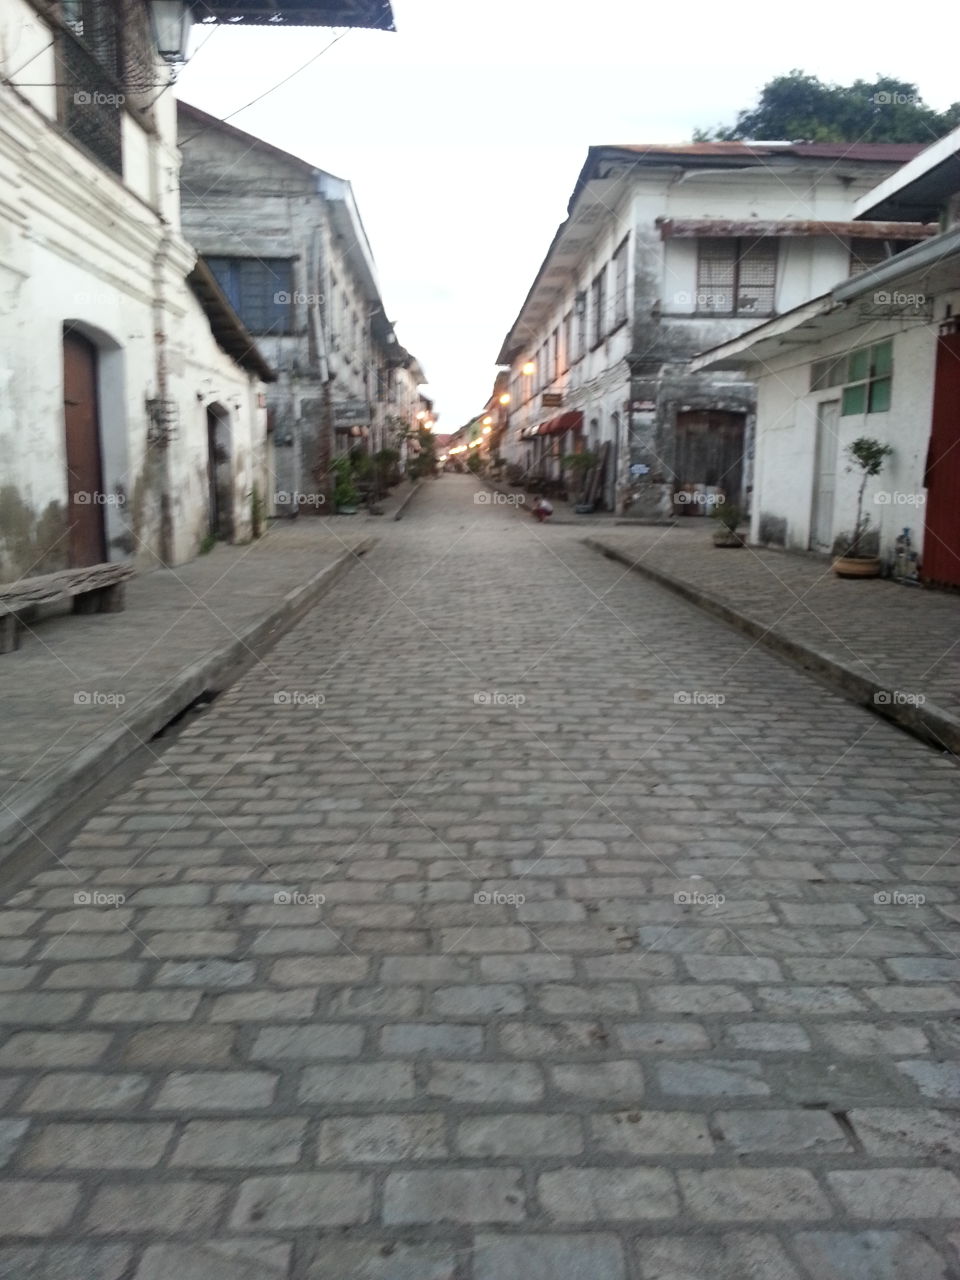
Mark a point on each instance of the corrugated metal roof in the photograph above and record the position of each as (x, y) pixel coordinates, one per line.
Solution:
(884, 152)
(374, 15)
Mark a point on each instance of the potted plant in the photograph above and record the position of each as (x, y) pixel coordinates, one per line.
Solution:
(868, 455)
(345, 494)
(581, 464)
(728, 517)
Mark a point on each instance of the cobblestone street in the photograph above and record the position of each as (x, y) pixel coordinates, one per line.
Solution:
(511, 920)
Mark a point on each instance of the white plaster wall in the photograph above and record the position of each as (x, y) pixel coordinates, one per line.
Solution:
(80, 246)
(786, 436)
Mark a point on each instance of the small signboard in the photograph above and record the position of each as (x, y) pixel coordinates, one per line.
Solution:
(351, 413)
(552, 399)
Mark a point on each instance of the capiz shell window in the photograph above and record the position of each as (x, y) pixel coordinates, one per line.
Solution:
(736, 277)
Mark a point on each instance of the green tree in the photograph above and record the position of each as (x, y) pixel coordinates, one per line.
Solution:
(800, 108)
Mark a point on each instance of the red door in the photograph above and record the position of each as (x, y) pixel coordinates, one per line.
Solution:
(941, 538)
(84, 474)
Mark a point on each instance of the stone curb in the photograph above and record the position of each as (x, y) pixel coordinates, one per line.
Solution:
(938, 727)
(398, 514)
(42, 803)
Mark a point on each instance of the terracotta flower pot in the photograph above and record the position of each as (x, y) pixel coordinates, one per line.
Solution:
(857, 566)
(728, 539)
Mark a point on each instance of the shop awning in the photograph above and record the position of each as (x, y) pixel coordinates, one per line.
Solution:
(572, 420)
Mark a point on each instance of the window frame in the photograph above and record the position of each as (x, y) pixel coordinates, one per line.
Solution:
(620, 263)
(741, 246)
(230, 279)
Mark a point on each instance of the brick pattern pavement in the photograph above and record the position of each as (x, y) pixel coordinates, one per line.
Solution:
(497, 963)
(904, 638)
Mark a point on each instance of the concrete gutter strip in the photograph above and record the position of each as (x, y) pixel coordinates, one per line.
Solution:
(928, 721)
(28, 813)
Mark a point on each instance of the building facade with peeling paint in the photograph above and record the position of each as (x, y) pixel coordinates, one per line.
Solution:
(665, 251)
(131, 423)
(286, 241)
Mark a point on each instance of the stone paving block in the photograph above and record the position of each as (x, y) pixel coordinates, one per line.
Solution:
(620, 1081)
(305, 971)
(435, 1039)
(216, 1091)
(64, 1262)
(775, 1131)
(37, 1009)
(247, 1259)
(520, 1135)
(145, 1006)
(163, 1208)
(239, 1144)
(596, 998)
(715, 1077)
(469, 1001)
(486, 1082)
(523, 968)
(570, 1256)
(386, 1082)
(296, 1200)
(382, 1139)
(454, 1195)
(662, 1037)
(753, 1195)
(887, 1194)
(36, 1208)
(383, 1259)
(708, 997)
(867, 1040)
(101, 1145)
(179, 1046)
(11, 1136)
(647, 1133)
(206, 973)
(937, 1080)
(607, 1195)
(86, 1091)
(307, 1043)
(54, 1048)
(769, 1037)
(895, 1131)
(737, 1256)
(868, 1255)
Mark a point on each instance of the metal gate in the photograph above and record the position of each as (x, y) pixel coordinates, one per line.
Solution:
(941, 538)
(84, 471)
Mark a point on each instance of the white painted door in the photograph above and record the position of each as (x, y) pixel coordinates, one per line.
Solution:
(825, 476)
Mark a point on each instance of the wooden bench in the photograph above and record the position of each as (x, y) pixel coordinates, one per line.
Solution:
(97, 588)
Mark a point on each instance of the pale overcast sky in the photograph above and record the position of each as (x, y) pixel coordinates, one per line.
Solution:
(464, 132)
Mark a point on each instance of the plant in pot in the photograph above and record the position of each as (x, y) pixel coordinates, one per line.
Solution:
(580, 465)
(728, 517)
(868, 456)
(345, 494)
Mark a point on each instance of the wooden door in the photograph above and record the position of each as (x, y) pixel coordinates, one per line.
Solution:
(941, 538)
(825, 476)
(87, 543)
(709, 452)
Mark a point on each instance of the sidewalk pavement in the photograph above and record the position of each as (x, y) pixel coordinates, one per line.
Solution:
(891, 647)
(84, 692)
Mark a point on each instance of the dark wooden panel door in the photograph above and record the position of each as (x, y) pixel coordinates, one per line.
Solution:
(84, 472)
(941, 538)
(709, 451)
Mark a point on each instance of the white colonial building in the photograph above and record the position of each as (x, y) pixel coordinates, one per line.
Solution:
(875, 356)
(287, 244)
(667, 250)
(132, 407)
